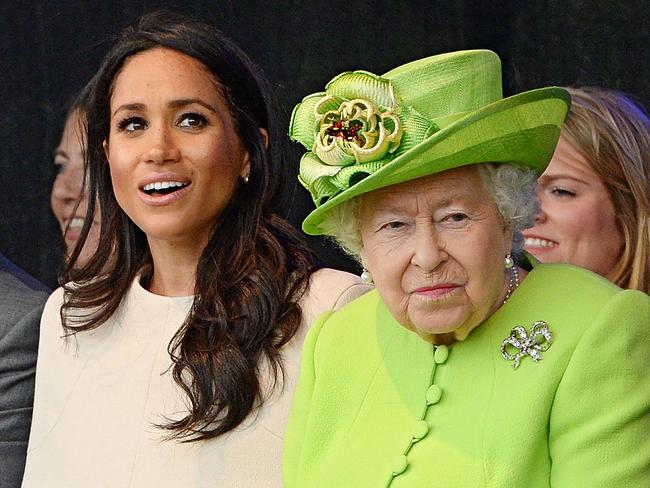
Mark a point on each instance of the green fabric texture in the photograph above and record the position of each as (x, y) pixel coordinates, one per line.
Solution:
(578, 418)
(450, 113)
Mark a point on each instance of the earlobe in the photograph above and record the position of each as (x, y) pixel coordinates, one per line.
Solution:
(265, 136)
(362, 259)
(246, 167)
(246, 163)
(366, 276)
(105, 147)
(509, 235)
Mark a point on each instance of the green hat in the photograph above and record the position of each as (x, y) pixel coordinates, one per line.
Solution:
(366, 132)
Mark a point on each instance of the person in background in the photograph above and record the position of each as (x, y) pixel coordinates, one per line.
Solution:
(171, 357)
(21, 302)
(595, 193)
(69, 197)
(469, 365)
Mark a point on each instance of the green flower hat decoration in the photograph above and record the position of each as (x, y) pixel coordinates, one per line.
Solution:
(351, 130)
(366, 132)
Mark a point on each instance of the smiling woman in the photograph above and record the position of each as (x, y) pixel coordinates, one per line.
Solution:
(595, 193)
(181, 334)
(69, 192)
(180, 136)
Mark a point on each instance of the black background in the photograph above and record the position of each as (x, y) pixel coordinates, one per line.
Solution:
(49, 49)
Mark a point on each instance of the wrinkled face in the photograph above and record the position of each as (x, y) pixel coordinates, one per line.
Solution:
(175, 157)
(435, 248)
(68, 189)
(576, 224)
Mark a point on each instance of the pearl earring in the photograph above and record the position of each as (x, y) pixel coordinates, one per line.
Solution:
(246, 178)
(366, 277)
(508, 262)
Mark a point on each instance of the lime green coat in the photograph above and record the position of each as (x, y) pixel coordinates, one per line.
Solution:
(378, 406)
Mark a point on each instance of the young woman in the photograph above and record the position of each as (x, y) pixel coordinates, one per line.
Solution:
(69, 197)
(181, 335)
(595, 193)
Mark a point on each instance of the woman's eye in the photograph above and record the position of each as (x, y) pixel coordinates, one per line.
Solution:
(192, 120)
(59, 167)
(562, 192)
(392, 225)
(456, 217)
(132, 124)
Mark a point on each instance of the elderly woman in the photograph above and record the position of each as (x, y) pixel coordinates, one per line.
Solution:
(463, 368)
(595, 193)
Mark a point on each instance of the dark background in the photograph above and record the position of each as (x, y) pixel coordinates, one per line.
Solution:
(49, 49)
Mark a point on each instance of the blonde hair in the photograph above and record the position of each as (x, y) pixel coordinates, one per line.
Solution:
(613, 134)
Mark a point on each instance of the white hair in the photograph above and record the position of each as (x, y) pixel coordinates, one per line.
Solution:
(512, 188)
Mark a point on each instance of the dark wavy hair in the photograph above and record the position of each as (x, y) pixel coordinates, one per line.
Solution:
(253, 271)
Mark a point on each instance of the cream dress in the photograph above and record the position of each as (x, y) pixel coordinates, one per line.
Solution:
(99, 394)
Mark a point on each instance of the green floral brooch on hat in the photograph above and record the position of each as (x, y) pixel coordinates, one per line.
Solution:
(351, 130)
(366, 132)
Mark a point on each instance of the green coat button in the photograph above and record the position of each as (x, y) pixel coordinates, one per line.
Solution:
(420, 429)
(400, 465)
(441, 354)
(433, 394)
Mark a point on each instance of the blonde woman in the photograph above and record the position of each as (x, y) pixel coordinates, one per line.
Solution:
(595, 192)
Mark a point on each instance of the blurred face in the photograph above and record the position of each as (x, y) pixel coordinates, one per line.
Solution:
(174, 155)
(576, 224)
(67, 190)
(435, 248)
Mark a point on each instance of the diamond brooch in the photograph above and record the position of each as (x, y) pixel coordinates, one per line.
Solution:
(520, 343)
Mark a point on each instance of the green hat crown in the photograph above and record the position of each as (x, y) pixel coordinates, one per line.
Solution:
(366, 132)
(363, 121)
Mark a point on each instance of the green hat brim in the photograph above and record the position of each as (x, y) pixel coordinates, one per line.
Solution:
(522, 129)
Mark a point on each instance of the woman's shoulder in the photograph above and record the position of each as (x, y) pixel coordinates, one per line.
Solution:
(52, 310)
(568, 283)
(331, 289)
(578, 306)
(52, 329)
(53, 306)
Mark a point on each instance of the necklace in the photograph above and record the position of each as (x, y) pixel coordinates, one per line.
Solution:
(513, 283)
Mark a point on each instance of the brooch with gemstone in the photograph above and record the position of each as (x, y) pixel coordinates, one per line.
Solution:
(520, 343)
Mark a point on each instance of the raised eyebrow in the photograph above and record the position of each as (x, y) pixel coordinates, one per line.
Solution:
(183, 102)
(130, 107)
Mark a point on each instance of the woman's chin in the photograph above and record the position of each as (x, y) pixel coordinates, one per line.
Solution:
(434, 327)
(433, 332)
(544, 254)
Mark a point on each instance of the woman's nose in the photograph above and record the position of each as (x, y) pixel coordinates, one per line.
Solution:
(162, 147)
(540, 217)
(68, 185)
(428, 252)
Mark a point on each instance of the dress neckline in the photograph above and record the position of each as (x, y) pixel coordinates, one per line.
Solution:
(139, 291)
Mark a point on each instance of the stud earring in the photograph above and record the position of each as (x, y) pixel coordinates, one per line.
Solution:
(508, 262)
(246, 178)
(366, 277)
